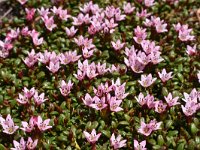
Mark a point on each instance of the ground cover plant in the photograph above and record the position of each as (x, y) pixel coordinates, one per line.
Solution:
(110, 74)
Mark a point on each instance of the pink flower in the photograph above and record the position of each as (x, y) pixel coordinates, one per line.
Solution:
(110, 11)
(39, 99)
(101, 68)
(143, 14)
(63, 14)
(30, 144)
(149, 3)
(29, 93)
(31, 59)
(117, 45)
(13, 34)
(140, 34)
(8, 125)
(140, 99)
(155, 57)
(30, 13)
(19, 145)
(22, 2)
(109, 25)
(65, 88)
(49, 22)
(160, 107)
(28, 127)
(43, 12)
(80, 75)
(143, 58)
(37, 41)
(155, 125)
(43, 125)
(44, 57)
(120, 92)
(139, 146)
(150, 101)
(56, 10)
(171, 101)
(190, 108)
(91, 72)
(86, 7)
(184, 32)
(146, 129)
(114, 104)
(88, 100)
(25, 31)
(99, 103)
(118, 16)
(93, 137)
(128, 9)
(53, 67)
(22, 99)
(191, 50)
(117, 143)
(87, 53)
(79, 20)
(164, 76)
(71, 32)
(149, 46)
(147, 81)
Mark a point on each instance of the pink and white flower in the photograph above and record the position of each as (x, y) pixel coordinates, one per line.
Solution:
(93, 137)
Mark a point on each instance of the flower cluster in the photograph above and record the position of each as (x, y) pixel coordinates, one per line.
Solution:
(192, 105)
(103, 96)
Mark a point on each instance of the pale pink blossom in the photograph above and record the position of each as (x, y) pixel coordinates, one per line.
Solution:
(43, 12)
(150, 101)
(149, 3)
(87, 53)
(164, 76)
(88, 100)
(63, 14)
(101, 68)
(147, 80)
(28, 127)
(139, 146)
(13, 34)
(31, 59)
(128, 9)
(49, 22)
(43, 125)
(53, 67)
(140, 34)
(143, 14)
(190, 108)
(114, 104)
(8, 125)
(31, 144)
(30, 13)
(80, 75)
(22, 99)
(65, 88)
(79, 20)
(116, 142)
(19, 145)
(146, 129)
(118, 15)
(155, 57)
(44, 57)
(117, 45)
(160, 107)
(71, 31)
(92, 137)
(171, 101)
(25, 31)
(22, 2)
(191, 50)
(29, 93)
(140, 99)
(39, 99)
(99, 103)
(110, 11)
